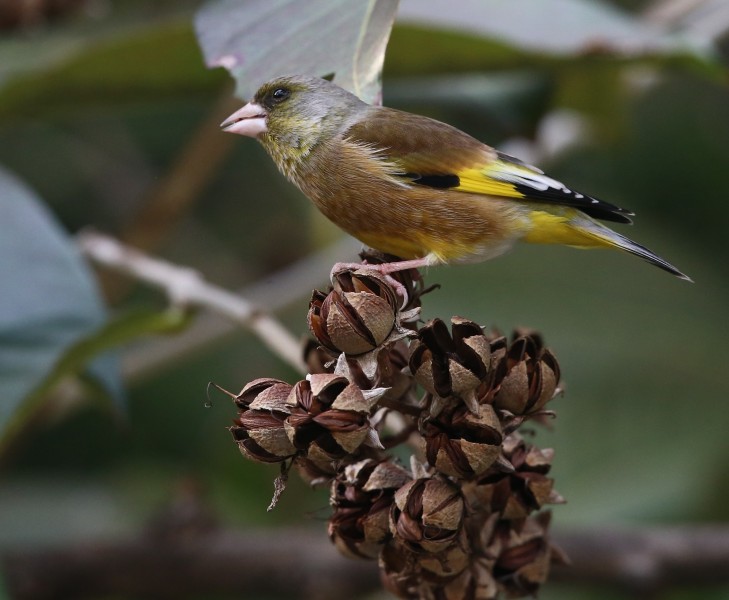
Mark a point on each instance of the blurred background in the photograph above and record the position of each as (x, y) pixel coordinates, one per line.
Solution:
(109, 118)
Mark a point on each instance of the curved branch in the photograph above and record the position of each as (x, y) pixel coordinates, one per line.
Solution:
(184, 561)
(187, 287)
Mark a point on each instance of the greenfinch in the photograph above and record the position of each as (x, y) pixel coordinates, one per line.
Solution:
(414, 187)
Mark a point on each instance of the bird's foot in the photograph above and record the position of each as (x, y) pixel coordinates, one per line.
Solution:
(385, 270)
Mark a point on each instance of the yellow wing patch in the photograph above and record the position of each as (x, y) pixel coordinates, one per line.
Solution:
(478, 181)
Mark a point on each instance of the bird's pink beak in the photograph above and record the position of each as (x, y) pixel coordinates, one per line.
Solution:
(249, 120)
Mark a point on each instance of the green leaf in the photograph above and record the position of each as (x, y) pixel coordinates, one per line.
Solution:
(49, 300)
(261, 39)
(157, 62)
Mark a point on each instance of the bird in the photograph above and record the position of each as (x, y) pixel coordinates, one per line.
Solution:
(417, 188)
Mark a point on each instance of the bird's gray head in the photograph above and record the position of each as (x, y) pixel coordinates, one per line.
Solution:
(294, 112)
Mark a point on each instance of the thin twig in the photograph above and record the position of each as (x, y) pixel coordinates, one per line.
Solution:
(186, 287)
(275, 291)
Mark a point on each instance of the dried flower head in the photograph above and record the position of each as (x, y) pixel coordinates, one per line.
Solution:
(518, 485)
(329, 417)
(526, 375)
(355, 317)
(408, 281)
(460, 443)
(259, 428)
(427, 515)
(520, 557)
(359, 317)
(451, 364)
(361, 496)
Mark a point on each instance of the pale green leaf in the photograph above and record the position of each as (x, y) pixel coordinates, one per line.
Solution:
(49, 299)
(552, 26)
(261, 39)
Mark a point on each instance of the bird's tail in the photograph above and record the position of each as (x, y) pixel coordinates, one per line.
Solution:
(606, 237)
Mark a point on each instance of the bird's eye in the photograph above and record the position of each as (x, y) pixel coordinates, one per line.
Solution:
(280, 94)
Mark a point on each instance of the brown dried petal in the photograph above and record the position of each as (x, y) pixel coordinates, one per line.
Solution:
(513, 394)
(317, 321)
(273, 398)
(474, 583)
(549, 379)
(277, 451)
(350, 441)
(266, 387)
(386, 475)
(327, 384)
(447, 563)
(442, 505)
(462, 380)
(353, 399)
(523, 555)
(479, 456)
(273, 440)
(341, 421)
(376, 525)
(421, 365)
(324, 457)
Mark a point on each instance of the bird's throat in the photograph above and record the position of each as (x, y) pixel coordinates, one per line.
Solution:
(288, 154)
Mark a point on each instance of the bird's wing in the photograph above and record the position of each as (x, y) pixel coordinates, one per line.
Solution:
(434, 154)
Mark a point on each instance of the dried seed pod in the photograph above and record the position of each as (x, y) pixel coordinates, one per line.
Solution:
(521, 556)
(427, 515)
(409, 574)
(361, 496)
(328, 417)
(259, 428)
(400, 571)
(454, 364)
(409, 280)
(526, 377)
(356, 317)
(440, 567)
(474, 583)
(460, 443)
(518, 485)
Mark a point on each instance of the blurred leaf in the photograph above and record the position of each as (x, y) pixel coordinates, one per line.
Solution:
(261, 39)
(160, 62)
(551, 26)
(510, 98)
(93, 347)
(43, 46)
(449, 51)
(49, 300)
